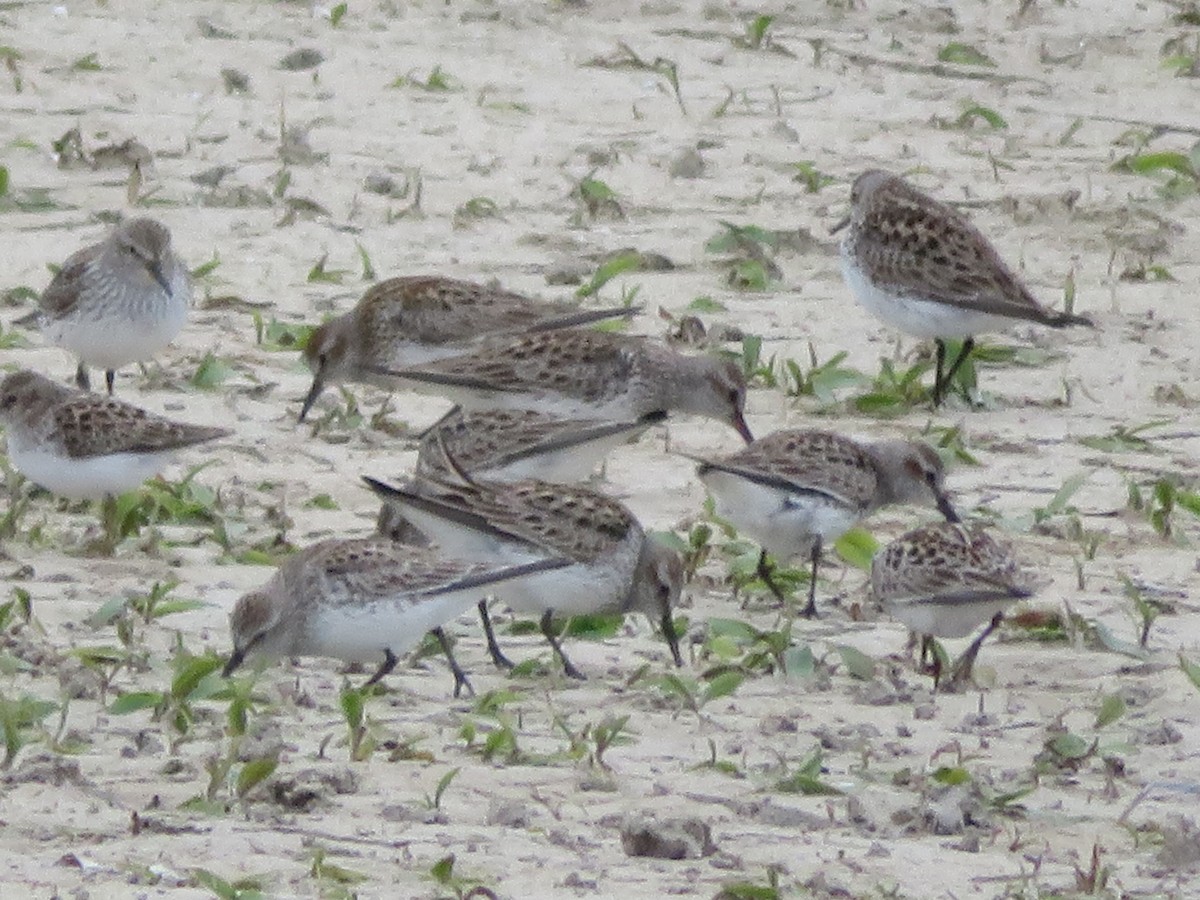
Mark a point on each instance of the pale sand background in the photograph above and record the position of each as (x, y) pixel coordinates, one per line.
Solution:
(527, 120)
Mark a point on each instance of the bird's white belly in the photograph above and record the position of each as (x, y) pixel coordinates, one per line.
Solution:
(926, 319)
(569, 591)
(90, 478)
(564, 466)
(945, 620)
(117, 340)
(783, 524)
(363, 633)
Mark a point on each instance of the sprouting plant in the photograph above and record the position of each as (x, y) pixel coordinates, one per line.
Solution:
(435, 802)
(335, 881)
(811, 177)
(19, 717)
(359, 727)
(822, 379)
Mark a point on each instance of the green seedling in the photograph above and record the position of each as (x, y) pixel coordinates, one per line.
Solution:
(334, 881)
(806, 779)
(751, 890)
(811, 177)
(279, 336)
(629, 261)
(435, 802)
(19, 718)
(1191, 670)
(361, 733)
(1145, 611)
(248, 888)
(737, 645)
(436, 82)
(476, 209)
(822, 380)
(87, 63)
(1127, 438)
(319, 272)
(976, 113)
(724, 766)
(964, 55)
(894, 392)
(1060, 503)
(337, 14)
(195, 678)
(461, 888)
(596, 200)
(755, 369)
(1177, 173)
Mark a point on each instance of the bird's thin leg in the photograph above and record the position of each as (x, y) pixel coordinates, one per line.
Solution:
(461, 681)
(764, 572)
(110, 376)
(967, 347)
(389, 663)
(501, 661)
(939, 385)
(81, 378)
(548, 631)
(961, 673)
(810, 611)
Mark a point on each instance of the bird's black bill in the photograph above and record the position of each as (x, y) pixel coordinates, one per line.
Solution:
(672, 639)
(157, 273)
(840, 225)
(314, 392)
(946, 508)
(235, 659)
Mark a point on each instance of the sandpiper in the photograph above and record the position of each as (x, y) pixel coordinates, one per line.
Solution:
(586, 374)
(87, 446)
(413, 320)
(923, 268)
(793, 491)
(116, 302)
(362, 600)
(603, 560)
(944, 580)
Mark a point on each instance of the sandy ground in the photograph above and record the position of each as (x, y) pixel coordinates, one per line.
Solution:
(96, 805)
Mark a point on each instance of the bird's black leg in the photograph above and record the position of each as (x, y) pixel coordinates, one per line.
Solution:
(498, 657)
(81, 378)
(461, 681)
(389, 663)
(967, 347)
(962, 669)
(810, 611)
(548, 631)
(764, 572)
(110, 376)
(939, 385)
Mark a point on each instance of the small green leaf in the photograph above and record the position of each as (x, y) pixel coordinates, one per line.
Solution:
(1070, 746)
(857, 663)
(1112, 708)
(857, 547)
(964, 55)
(1191, 670)
(951, 775)
(254, 773)
(706, 305)
(336, 14)
(443, 870)
(721, 686)
(134, 701)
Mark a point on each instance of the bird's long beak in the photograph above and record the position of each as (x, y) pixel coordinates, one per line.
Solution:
(946, 508)
(668, 630)
(739, 423)
(314, 392)
(840, 225)
(235, 659)
(157, 274)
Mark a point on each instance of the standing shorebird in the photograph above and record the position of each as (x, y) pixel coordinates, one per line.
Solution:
(86, 446)
(944, 580)
(924, 269)
(412, 320)
(583, 374)
(362, 600)
(598, 558)
(794, 490)
(116, 302)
